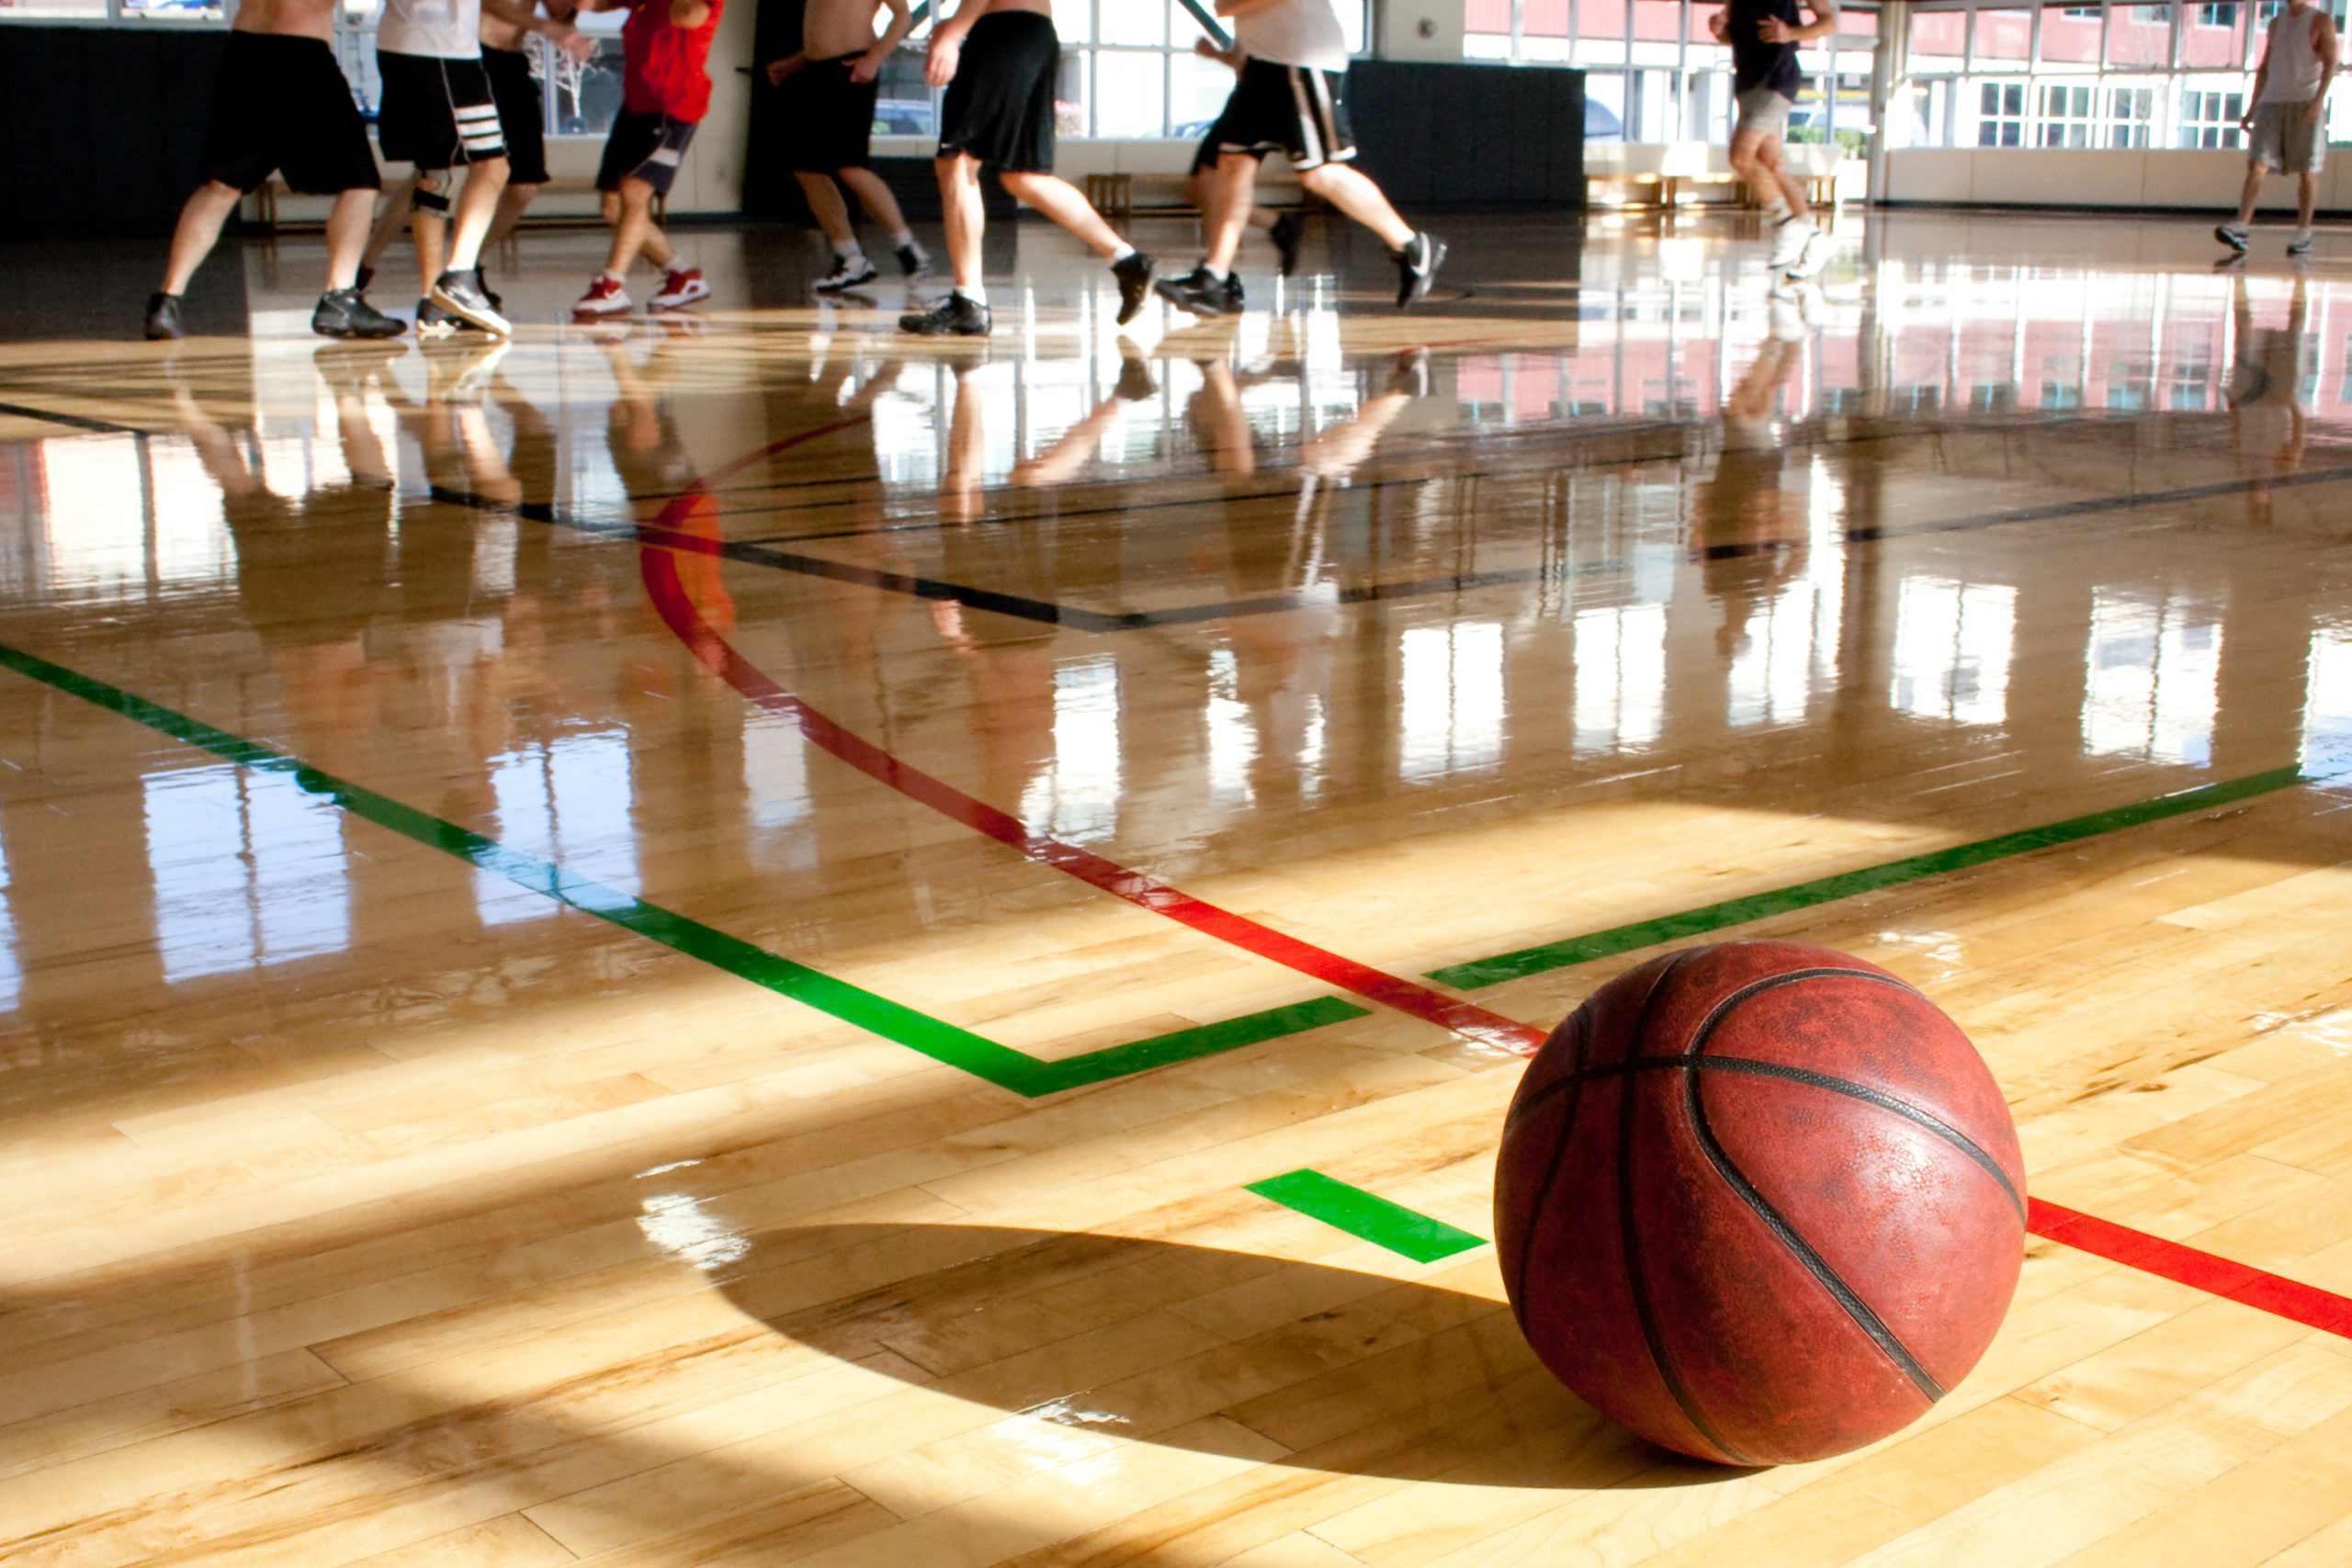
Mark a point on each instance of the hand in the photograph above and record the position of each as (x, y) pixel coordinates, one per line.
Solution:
(575, 43)
(939, 65)
(778, 69)
(1719, 24)
(1772, 30)
(2312, 116)
(1205, 47)
(865, 70)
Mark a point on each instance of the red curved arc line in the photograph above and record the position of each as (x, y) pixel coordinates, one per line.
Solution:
(685, 621)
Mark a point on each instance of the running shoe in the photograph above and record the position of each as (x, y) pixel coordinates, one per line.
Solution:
(683, 286)
(1133, 272)
(164, 318)
(953, 317)
(342, 313)
(605, 297)
(913, 261)
(461, 294)
(2233, 235)
(1417, 267)
(2300, 246)
(1202, 292)
(1789, 237)
(1289, 230)
(1811, 259)
(846, 274)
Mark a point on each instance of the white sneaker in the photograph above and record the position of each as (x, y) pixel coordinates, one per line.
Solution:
(2233, 235)
(1790, 238)
(847, 274)
(1787, 317)
(2300, 246)
(1812, 257)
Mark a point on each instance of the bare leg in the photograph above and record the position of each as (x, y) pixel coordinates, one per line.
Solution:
(1360, 199)
(875, 197)
(2306, 199)
(826, 204)
(1230, 188)
(476, 206)
(1059, 200)
(959, 202)
(198, 226)
(513, 202)
(348, 236)
(389, 225)
(1756, 158)
(431, 229)
(2251, 196)
(633, 231)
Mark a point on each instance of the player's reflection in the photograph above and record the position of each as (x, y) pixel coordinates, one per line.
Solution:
(2269, 423)
(1747, 523)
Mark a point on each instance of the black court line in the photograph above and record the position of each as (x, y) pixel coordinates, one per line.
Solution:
(74, 421)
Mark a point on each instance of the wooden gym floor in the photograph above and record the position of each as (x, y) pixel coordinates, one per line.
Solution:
(722, 942)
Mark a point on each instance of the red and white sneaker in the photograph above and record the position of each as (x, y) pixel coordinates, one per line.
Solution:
(683, 286)
(605, 297)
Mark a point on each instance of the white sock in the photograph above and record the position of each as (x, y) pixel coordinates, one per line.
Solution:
(615, 276)
(1125, 251)
(1779, 208)
(848, 249)
(903, 237)
(976, 293)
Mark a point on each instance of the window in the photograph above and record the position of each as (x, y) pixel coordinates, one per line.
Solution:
(2210, 118)
(2000, 115)
(2132, 112)
(2221, 16)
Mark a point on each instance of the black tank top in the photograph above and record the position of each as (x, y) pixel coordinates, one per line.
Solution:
(1754, 63)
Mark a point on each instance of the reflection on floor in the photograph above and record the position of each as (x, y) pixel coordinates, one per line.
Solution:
(602, 939)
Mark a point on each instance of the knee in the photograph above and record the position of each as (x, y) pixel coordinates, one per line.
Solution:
(609, 204)
(636, 194)
(1319, 179)
(524, 194)
(1021, 185)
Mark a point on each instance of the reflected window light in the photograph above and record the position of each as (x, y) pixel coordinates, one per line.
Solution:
(1233, 745)
(97, 513)
(1620, 677)
(1452, 713)
(2153, 680)
(566, 802)
(249, 870)
(1771, 675)
(1952, 642)
(12, 973)
(775, 775)
(191, 532)
(1077, 797)
(2327, 704)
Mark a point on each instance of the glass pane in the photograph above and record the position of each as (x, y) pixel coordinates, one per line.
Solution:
(1132, 21)
(2140, 36)
(186, 10)
(1356, 24)
(1202, 88)
(2213, 36)
(587, 95)
(70, 10)
(902, 100)
(2070, 38)
(1938, 41)
(2210, 110)
(1070, 118)
(2004, 37)
(1130, 93)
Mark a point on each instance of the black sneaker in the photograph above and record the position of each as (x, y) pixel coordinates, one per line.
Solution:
(163, 317)
(459, 293)
(432, 321)
(1286, 233)
(1417, 267)
(2234, 235)
(952, 317)
(847, 274)
(342, 313)
(497, 300)
(1202, 292)
(912, 261)
(1134, 274)
(1135, 384)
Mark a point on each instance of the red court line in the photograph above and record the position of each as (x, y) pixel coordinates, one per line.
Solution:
(686, 620)
(2274, 1294)
(2171, 1260)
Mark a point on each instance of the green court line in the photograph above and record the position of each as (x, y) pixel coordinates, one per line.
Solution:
(1376, 1220)
(1709, 918)
(942, 1042)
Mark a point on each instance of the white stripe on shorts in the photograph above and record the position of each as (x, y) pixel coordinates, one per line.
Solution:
(1309, 131)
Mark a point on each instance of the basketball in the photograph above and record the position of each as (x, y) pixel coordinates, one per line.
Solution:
(1760, 1202)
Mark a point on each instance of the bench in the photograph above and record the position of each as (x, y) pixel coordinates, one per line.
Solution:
(1666, 168)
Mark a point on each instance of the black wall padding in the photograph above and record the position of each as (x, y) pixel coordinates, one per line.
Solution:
(1441, 135)
(103, 128)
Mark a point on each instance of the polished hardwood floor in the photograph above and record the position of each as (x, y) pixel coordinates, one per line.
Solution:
(679, 943)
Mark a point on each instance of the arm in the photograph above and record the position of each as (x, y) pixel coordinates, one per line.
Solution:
(559, 31)
(1230, 58)
(1825, 22)
(780, 69)
(2323, 38)
(948, 42)
(903, 22)
(689, 13)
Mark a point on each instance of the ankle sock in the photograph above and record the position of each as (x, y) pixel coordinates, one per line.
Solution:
(1123, 251)
(976, 293)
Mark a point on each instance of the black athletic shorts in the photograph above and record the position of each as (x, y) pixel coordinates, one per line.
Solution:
(1290, 109)
(522, 118)
(831, 117)
(1205, 158)
(437, 112)
(281, 103)
(647, 146)
(1000, 108)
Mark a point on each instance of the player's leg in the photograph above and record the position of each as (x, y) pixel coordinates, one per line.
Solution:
(522, 122)
(240, 150)
(323, 150)
(849, 266)
(965, 312)
(1212, 288)
(389, 225)
(875, 197)
(199, 228)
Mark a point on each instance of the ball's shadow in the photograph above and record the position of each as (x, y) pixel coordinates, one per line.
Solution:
(1227, 1352)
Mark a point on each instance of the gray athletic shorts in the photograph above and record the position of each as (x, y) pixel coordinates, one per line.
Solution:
(2287, 141)
(1763, 111)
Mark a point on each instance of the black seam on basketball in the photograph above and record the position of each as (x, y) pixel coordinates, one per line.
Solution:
(1630, 1241)
(1562, 1084)
(1862, 1091)
(1694, 1106)
(1517, 1295)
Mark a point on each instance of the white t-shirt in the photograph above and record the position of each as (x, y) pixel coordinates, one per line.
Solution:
(441, 29)
(1295, 32)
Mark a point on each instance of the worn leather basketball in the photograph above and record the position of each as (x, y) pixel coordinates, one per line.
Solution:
(1762, 1202)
